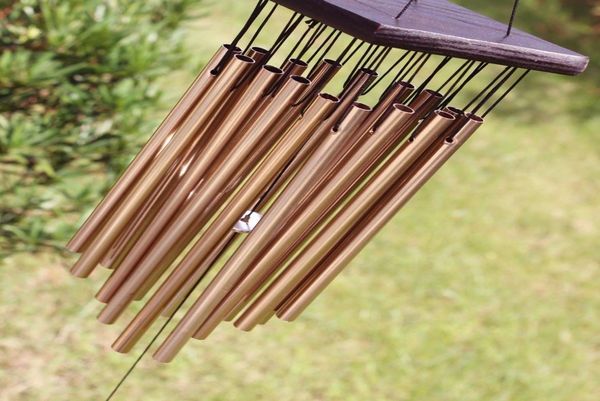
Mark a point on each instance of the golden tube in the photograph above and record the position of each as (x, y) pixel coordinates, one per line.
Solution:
(143, 188)
(178, 229)
(216, 146)
(294, 66)
(426, 102)
(327, 238)
(279, 246)
(140, 163)
(279, 242)
(373, 221)
(218, 231)
(301, 188)
(227, 276)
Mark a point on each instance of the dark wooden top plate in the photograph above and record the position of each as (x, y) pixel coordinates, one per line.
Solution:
(440, 27)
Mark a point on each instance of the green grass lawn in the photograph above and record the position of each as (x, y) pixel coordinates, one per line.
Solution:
(485, 287)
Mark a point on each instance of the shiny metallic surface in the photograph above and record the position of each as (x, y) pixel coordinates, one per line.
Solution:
(374, 220)
(217, 233)
(142, 162)
(243, 109)
(264, 266)
(327, 238)
(177, 232)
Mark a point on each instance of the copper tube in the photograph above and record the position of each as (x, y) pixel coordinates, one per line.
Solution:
(374, 220)
(220, 138)
(214, 236)
(277, 246)
(177, 231)
(228, 276)
(140, 163)
(258, 54)
(294, 66)
(426, 102)
(327, 238)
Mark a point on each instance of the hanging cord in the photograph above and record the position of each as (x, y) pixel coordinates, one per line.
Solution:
(341, 58)
(454, 74)
(287, 30)
(311, 41)
(426, 82)
(405, 8)
(494, 90)
(402, 76)
(475, 72)
(311, 24)
(260, 27)
(380, 59)
(487, 88)
(227, 56)
(512, 17)
(161, 330)
(419, 68)
(357, 65)
(385, 74)
(327, 42)
(510, 89)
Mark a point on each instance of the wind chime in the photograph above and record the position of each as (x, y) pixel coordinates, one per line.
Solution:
(257, 170)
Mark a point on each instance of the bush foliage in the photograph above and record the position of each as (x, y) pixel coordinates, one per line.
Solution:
(77, 83)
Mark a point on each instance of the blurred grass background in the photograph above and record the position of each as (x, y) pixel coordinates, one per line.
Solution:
(485, 287)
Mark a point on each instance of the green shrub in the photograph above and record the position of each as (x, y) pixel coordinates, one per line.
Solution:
(77, 84)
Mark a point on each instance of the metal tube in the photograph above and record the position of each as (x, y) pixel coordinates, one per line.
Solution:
(217, 145)
(279, 246)
(372, 222)
(176, 232)
(142, 190)
(327, 238)
(218, 231)
(144, 159)
(228, 276)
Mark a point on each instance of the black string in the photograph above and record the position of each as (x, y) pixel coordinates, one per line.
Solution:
(426, 82)
(484, 90)
(311, 25)
(261, 26)
(315, 36)
(494, 90)
(475, 72)
(510, 89)
(405, 8)
(227, 56)
(425, 59)
(357, 65)
(327, 42)
(385, 74)
(287, 30)
(341, 59)
(402, 77)
(454, 74)
(512, 17)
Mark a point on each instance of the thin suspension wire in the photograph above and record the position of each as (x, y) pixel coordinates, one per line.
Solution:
(494, 90)
(315, 36)
(405, 66)
(487, 88)
(459, 77)
(260, 27)
(475, 72)
(385, 74)
(426, 82)
(255, 13)
(510, 89)
(425, 59)
(358, 64)
(410, 68)
(405, 8)
(311, 24)
(512, 17)
(454, 74)
(343, 60)
(327, 42)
